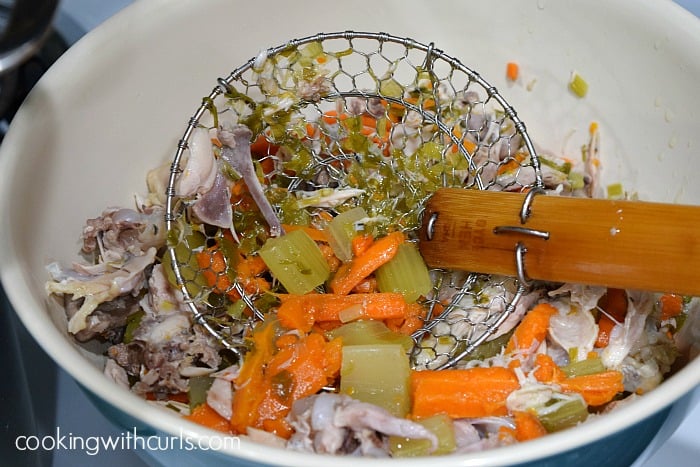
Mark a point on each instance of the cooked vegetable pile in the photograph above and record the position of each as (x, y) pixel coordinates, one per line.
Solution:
(296, 237)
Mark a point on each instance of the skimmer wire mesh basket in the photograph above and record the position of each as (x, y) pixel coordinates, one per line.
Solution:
(339, 121)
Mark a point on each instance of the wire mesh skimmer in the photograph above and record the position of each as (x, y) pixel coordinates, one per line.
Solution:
(339, 121)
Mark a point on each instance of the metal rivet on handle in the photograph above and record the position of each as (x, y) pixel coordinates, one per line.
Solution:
(430, 226)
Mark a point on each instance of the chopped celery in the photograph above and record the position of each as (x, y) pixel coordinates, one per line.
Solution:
(578, 85)
(615, 191)
(406, 274)
(378, 374)
(391, 88)
(365, 332)
(488, 349)
(588, 366)
(132, 323)
(569, 414)
(186, 260)
(576, 180)
(296, 261)
(312, 49)
(235, 310)
(342, 229)
(441, 425)
(197, 390)
(564, 167)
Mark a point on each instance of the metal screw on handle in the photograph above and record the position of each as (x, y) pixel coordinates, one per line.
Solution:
(520, 249)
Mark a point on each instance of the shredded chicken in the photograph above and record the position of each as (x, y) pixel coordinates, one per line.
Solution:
(121, 232)
(201, 168)
(236, 152)
(214, 206)
(338, 424)
(128, 278)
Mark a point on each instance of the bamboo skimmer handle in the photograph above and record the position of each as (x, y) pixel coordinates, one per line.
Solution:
(622, 244)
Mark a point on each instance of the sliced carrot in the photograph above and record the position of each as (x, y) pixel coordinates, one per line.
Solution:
(368, 285)
(262, 147)
(294, 314)
(512, 71)
(528, 426)
(605, 326)
(511, 165)
(317, 235)
(379, 253)
(303, 311)
(214, 267)
(462, 393)
(614, 303)
(360, 244)
(546, 371)
(470, 146)
(671, 306)
(331, 117)
(596, 389)
(250, 266)
(278, 372)
(286, 340)
(415, 318)
(309, 365)
(249, 394)
(532, 330)
(206, 416)
(218, 270)
(330, 257)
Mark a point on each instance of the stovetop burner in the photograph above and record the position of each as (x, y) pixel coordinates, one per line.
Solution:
(29, 45)
(15, 84)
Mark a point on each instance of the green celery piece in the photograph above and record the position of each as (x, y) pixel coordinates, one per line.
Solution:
(615, 191)
(378, 374)
(186, 260)
(569, 414)
(441, 425)
(132, 324)
(585, 367)
(576, 180)
(312, 49)
(197, 390)
(391, 88)
(296, 261)
(236, 309)
(578, 85)
(488, 349)
(368, 332)
(406, 274)
(342, 230)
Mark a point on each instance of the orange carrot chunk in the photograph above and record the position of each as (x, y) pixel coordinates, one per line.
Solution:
(528, 426)
(303, 311)
(671, 306)
(208, 417)
(605, 326)
(532, 330)
(378, 253)
(546, 371)
(251, 390)
(276, 373)
(512, 71)
(460, 393)
(596, 389)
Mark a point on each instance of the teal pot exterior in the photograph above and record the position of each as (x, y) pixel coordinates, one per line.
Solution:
(621, 449)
